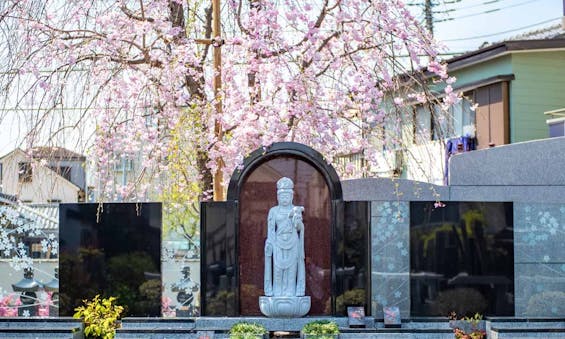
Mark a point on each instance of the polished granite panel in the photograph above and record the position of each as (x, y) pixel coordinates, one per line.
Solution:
(390, 256)
(219, 259)
(461, 258)
(539, 233)
(111, 249)
(391, 289)
(540, 289)
(352, 259)
(257, 196)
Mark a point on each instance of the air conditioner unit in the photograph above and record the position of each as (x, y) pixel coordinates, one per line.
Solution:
(398, 162)
(556, 127)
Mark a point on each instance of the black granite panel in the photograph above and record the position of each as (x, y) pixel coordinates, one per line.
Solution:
(461, 258)
(352, 259)
(111, 249)
(219, 296)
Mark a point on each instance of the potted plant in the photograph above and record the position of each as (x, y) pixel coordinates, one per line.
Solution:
(100, 317)
(245, 330)
(320, 329)
(468, 327)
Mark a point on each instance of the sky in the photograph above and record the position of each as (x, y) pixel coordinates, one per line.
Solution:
(471, 22)
(462, 25)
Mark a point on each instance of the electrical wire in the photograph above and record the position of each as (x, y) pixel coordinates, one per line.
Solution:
(503, 32)
(487, 11)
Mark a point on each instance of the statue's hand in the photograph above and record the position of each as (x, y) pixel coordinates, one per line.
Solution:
(268, 249)
(299, 225)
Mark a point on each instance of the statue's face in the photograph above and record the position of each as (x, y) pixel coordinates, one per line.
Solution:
(284, 198)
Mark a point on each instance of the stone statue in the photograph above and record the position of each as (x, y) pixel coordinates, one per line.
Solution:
(285, 276)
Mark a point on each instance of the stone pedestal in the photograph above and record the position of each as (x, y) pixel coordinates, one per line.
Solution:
(284, 307)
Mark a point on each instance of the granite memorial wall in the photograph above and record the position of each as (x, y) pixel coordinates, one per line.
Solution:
(111, 249)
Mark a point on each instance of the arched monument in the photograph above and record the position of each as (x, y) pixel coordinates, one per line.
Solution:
(262, 254)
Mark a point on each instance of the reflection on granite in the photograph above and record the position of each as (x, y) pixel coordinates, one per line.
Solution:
(113, 249)
(173, 274)
(390, 260)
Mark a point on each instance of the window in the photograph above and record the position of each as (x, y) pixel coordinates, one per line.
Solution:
(64, 171)
(492, 115)
(24, 172)
(0, 173)
(459, 121)
(123, 165)
(423, 126)
(465, 115)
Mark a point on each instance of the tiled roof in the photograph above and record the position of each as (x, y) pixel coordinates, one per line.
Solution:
(45, 152)
(550, 32)
(46, 216)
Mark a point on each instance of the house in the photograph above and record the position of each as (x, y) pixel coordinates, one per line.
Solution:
(506, 89)
(43, 175)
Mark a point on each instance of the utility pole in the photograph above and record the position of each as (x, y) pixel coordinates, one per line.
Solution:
(429, 15)
(218, 132)
(563, 18)
(217, 42)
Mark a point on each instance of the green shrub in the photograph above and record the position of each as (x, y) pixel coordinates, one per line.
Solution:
(245, 330)
(320, 329)
(100, 317)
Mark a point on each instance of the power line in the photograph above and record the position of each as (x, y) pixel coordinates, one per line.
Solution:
(503, 32)
(487, 11)
(484, 3)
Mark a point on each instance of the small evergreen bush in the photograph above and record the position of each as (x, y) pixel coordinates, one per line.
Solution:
(245, 330)
(100, 317)
(320, 329)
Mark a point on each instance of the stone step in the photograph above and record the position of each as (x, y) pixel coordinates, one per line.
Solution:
(41, 327)
(520, 322)
(47, 332)
(158, 323)
(147, 333)
(527, 333)
(38, 322)
(396, 333)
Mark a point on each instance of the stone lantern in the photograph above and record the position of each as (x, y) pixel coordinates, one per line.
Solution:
(53, 286)
(28, 286)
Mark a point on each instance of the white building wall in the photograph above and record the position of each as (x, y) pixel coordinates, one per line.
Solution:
(45, 185)
(425, 163)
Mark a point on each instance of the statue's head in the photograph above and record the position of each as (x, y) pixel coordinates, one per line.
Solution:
(285, 191)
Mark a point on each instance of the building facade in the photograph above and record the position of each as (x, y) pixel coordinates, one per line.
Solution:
(44, 175)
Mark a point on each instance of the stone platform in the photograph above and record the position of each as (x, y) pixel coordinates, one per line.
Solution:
(218, 327)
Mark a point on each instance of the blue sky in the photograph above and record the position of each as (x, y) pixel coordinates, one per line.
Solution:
(476, 21)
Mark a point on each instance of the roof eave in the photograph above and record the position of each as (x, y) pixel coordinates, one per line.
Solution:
(501, 49)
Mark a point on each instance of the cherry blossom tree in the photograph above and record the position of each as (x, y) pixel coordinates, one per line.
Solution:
(133, 79)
